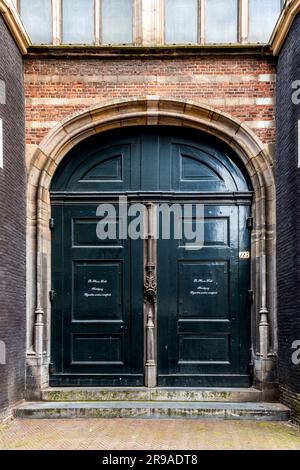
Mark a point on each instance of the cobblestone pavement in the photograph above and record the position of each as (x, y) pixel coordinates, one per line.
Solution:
(129, 434)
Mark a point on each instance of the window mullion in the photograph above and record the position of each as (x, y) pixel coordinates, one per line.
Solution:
(202, 22)
(137, 23)
(243, 21)
(160, 22)
(56, 22)
(97, 7)
(149, 21)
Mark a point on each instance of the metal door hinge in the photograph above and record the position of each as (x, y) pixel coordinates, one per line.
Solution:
(51, 224)
(51, 368)
(51, 295)
(250, 296)
(250, 223)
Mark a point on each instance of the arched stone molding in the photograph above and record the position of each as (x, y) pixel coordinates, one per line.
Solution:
(155, 111)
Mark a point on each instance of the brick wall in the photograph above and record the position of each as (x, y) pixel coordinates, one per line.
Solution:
(12, 225)
(58, 86)
(241, 86)
(288, 218)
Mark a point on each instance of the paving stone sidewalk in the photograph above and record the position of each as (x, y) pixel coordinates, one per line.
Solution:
(129, 434)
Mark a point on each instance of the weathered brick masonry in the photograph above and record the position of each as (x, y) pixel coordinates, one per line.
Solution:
(12, 225)
(59, 85)
(242, 86)
(288, 218)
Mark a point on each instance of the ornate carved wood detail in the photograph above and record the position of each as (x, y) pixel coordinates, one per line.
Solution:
(150, 288)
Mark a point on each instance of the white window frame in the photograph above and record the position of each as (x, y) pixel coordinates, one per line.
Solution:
(282, 2)
(199, 26)
(57, 20)
(58, 23)
(243, 21)
(136, 12)
(201, 20)
(53, 32)
(151, 12)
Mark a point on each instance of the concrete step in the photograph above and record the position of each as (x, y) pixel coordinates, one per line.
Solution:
(224, 395)
(146, 409)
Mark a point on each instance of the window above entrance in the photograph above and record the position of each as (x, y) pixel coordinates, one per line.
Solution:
(149, 22)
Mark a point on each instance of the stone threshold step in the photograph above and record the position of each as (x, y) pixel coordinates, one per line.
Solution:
(152, 394)
(234, 411)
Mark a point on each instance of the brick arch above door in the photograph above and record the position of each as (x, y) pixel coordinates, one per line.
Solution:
(152, 111)
(143, 111)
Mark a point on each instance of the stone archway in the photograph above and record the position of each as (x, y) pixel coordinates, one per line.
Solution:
(155, 112)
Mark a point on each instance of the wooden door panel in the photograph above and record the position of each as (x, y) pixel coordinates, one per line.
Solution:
(97, 290)
(98, 303)
(203, 348)
(203, 289)
(97, 349)
(98, 309)
(199, 326)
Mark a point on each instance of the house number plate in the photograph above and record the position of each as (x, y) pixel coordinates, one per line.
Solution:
(244, 254)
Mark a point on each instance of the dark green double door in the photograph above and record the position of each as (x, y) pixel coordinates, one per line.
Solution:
(202, 310)
(202, 313)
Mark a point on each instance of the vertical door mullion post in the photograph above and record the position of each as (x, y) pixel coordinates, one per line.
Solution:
(150, 294)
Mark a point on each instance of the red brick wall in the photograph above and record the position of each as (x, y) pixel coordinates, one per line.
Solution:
(240, 86)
